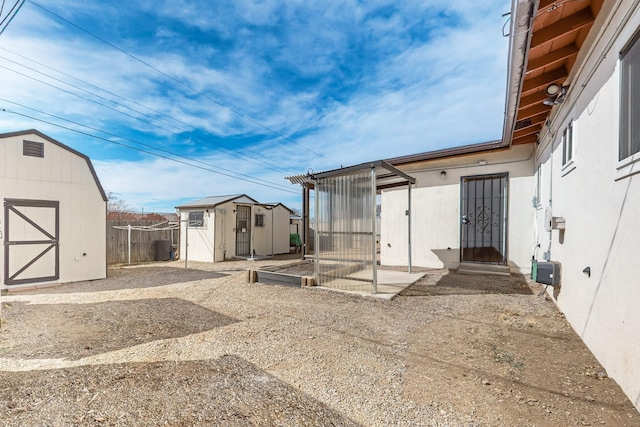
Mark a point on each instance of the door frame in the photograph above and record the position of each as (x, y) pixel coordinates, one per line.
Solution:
(53, 241)
(505, 219)
(248, 229)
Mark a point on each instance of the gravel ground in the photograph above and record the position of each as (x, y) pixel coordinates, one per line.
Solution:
(160, 345)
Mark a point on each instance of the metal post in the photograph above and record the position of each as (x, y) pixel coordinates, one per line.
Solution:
(373, 230)
(409, 228)
(186, 245)
(129, 242)
(272, 225)
(305, 220)
(316, 247)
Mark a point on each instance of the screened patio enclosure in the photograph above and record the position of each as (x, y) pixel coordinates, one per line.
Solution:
(345, 222)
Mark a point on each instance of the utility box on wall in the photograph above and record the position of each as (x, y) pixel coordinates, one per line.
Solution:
(547, 273)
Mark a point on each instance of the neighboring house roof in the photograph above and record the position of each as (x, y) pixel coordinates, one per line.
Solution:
(546, 43)
(273, 205)
(140, 216)
(214, 201)
(64, 147)
(447, 152)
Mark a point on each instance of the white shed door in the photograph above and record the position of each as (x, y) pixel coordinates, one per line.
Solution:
(31, 229)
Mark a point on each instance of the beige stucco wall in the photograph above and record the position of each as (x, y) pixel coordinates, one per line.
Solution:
(276, 220)
(436, 210)
(61, 176)
(600, 201)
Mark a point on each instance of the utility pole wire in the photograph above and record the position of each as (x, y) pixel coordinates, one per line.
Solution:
(181, 83)
(252, 180)
(10, 15)
(267, 162)
(228, 151)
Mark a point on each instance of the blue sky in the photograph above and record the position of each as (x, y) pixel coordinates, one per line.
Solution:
(254, 90)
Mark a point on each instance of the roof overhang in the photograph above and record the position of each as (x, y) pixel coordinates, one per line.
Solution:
(546, 39)
(387, 176)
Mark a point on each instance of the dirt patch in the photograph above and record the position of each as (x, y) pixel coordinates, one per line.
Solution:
(226, 391)
(74, 331)
(450, 350)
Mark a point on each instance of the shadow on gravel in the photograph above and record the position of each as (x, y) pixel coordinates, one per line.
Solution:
(228, 391)
(460, 284)
(131, 278)
(74, 331)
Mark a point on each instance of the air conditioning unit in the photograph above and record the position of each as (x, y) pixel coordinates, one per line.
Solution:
(547, 273)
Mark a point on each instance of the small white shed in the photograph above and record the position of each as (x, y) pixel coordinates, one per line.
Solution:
(223, 227)
(53, 225)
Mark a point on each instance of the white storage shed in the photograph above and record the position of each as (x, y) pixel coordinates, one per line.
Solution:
(222, 227)
(53, 225)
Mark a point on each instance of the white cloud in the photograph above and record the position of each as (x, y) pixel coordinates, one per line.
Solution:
(412, 76)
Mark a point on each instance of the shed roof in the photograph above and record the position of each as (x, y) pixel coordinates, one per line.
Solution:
(64, 147)
(213, 201)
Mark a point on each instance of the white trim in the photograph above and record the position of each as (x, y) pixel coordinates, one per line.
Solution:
(568, 167)
(628, 167)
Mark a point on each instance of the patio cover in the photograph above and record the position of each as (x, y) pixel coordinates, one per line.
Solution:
(345, 221)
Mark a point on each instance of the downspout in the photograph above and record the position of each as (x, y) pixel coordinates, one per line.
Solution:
(373, 228)
(409, 229)
(316, 243)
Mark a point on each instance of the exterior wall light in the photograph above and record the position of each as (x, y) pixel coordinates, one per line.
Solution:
(553, 89)
(556, 94)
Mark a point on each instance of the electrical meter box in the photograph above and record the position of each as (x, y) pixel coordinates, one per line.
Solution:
(547, 273)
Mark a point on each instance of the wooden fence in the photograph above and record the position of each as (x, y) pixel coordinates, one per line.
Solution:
(143, 243)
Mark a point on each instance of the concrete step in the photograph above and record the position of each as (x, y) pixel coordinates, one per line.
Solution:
(487, 269)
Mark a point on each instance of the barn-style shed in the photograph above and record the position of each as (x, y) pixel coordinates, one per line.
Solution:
(53, 225)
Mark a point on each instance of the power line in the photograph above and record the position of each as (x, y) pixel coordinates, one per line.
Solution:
(229, 152)
(181, 83)
(10, 15)
(241, 156)
(256, 181)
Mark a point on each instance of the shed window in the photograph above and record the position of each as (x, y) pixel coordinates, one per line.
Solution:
(196, 219)
(630, 100)
(32, 149)
(259, 220)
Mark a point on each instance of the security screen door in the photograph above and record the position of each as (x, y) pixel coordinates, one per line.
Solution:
(243, 230)
(31, 230)
(484, 219)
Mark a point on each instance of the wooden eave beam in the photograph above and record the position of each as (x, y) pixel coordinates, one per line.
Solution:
(525, 140)
(545, 79)
(544, 4)
(564, 26)
(527, 131)
(530, 100)
(536, 120)
(533, 111)
(553, 58)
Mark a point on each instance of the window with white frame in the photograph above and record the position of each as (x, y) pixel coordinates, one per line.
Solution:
(196, 219)
(630, 99)
(567, 144)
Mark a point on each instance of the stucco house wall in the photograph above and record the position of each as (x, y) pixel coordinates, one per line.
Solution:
(61, 175)
(599, 197)
(435, 210)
